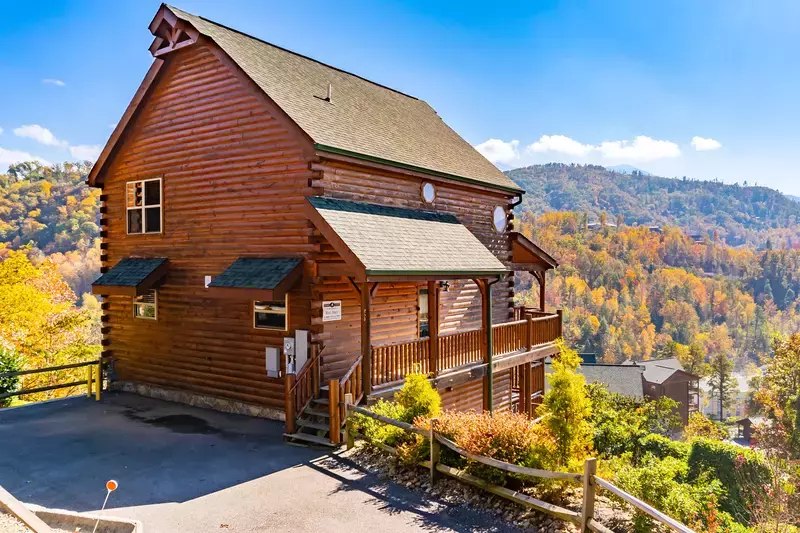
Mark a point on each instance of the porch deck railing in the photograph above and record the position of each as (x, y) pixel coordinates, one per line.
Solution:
(392, 362)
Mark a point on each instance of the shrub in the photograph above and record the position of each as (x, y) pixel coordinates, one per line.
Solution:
(566, 409)
(418, 398)
(700, 426)
(9, 362)
(376, 431)
(663, 447)
(504, 436)
(730, 464)
(661, 483)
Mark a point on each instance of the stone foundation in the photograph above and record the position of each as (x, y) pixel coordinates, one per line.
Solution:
(199, 400)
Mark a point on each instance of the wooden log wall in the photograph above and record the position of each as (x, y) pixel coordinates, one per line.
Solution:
(234, 180)
(469, 396)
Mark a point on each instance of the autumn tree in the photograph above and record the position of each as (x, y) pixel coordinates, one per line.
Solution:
(721, 380)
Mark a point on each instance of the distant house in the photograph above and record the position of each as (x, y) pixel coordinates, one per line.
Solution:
(622, 379)
(594, 226)
(666, 377)
(738, 405)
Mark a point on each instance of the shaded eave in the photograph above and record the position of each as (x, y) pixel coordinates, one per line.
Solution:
(142, 287)
(528, 256)
(278, 292)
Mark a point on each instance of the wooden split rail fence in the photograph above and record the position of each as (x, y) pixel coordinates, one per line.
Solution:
(93, 381)
(589, 479)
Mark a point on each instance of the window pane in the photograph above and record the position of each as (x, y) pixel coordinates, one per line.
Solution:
(270, 315)
(270, 320)
(149, 298)
(423, 305)
(152, 192)
(144, 310)
(134, 221)
(500, 220)
(424, 329)
(131, 194)
(153, 219)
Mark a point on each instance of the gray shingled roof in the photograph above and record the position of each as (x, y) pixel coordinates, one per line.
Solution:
(393, 240)
(363, 119)
(130, 271)
(622, 379)
(256, 272)
(660, 370)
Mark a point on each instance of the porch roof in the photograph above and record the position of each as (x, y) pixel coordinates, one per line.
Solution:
(132, 276)
(271, 277)
(380, 242)
(528, 256)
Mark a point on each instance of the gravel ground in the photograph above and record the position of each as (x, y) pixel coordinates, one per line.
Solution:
(10, 524)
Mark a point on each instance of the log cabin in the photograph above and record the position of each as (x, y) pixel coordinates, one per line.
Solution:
(278, 233)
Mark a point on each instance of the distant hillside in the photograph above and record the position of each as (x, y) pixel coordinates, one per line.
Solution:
(793, 198)
(740, 215)
(628, 169)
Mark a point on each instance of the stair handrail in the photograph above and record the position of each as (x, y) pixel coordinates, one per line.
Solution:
(352, 369)
(292, 381)
(337, 389)
(309, 365)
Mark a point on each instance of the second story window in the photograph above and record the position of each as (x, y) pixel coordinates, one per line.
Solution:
(424, 327)
(144, 206)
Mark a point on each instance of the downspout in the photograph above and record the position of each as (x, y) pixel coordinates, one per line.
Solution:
(490, 345)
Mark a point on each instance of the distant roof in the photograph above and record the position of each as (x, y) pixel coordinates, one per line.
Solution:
(363, 119)
(621, 379)
(660, 370)
(398, 241)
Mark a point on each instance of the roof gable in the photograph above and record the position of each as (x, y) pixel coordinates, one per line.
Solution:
(362, 119)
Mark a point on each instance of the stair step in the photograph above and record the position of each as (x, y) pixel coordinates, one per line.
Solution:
(309, 424)
(315, 412)
(323, 441)
(323, 401)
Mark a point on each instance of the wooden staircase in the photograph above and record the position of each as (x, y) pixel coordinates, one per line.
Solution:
(314, 422)
(311, 417)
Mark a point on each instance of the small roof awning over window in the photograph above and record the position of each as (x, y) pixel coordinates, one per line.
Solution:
(382, 243)
(267, 278)
(527, 256)
(132, 276)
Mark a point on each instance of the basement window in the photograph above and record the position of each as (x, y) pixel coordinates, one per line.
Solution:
(422, 306)
(145, 306)
(271, 315)
(144, 206)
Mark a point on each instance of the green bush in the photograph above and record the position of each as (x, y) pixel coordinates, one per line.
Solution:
(418, 398)
(376, 431)
(661, 483)
(663, 447)
(740, 470)
(9, 362)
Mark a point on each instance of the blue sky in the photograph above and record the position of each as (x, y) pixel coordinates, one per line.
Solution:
(605, 82)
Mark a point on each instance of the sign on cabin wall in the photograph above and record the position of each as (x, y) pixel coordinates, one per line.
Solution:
(331, 310)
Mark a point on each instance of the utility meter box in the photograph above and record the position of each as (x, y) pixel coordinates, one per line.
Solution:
(273, 362)
(300, 349)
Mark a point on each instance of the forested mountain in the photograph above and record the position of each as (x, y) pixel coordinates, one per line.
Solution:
(738, 214)
(632, 293)
(52, 211)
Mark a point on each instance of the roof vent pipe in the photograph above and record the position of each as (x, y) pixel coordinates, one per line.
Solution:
(330, 93)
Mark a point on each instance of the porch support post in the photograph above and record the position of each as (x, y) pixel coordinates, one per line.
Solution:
(366, 344)
(488, 384)
(542, 277)
(433, 326)
(527, 377)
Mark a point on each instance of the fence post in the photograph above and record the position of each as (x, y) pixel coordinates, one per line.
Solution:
(348, 424)
(99, 390)
(89, 381)
(589, 470)
(333, 411)
(435, 449)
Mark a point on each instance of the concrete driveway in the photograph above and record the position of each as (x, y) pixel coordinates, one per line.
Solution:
(181, 468)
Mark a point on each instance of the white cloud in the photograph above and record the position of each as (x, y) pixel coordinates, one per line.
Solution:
(40, 135)
(86, 152)
(641, 148)
(10, 157)
(704, 144)
(53, 81)
(561, 144)
(498, 151)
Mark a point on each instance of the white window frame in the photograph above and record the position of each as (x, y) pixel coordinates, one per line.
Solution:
(285, 314)
(141, 208)
(146, 304)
